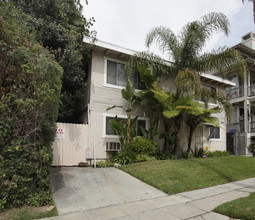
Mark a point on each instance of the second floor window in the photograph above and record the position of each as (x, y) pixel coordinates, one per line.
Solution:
(116, 75)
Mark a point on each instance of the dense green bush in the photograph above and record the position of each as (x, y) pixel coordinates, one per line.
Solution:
(139, 150)
(218, 153)
(105, 163)
(198, 152)
(144, 146)
(124, 157)
(30, 83)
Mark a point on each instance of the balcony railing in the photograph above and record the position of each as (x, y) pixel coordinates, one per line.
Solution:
(239, 92)
(252, 127)
(239, 127)
(236, 127)
(251, 90)
(235, 92)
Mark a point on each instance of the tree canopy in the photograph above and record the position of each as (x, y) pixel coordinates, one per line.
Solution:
(30, 84)
(60, 27)
(186, 62)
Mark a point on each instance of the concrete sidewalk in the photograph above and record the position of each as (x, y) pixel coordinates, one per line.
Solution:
(197, 204)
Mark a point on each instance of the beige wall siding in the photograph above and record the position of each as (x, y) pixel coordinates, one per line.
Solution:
(104, 96)
(70, 150)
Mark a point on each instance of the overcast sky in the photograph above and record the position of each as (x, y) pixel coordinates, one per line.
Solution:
(126, 22)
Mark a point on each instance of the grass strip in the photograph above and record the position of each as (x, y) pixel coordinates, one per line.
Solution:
(176, 176)
(243, 208)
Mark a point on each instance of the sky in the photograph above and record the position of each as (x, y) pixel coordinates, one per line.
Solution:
(126, 22)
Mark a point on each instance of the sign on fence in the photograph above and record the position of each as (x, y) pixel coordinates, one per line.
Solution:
(60, 133)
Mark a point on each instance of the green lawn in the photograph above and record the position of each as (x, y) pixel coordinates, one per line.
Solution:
(175, 176)
(243, 208)
(28, 213)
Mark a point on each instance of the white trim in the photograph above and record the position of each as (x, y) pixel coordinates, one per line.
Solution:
(105, 84)
(218, 79)
(210, 104)
(146, 119)
(110, 46)
(105, 73)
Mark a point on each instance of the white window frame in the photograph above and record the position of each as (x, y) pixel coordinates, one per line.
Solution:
(105, 74)
(119, 116)
(215, 139)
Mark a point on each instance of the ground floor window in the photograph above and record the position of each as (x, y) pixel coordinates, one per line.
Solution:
(140, 123)
(214, 132)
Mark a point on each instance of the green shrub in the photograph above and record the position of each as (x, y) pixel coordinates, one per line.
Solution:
(105, 163)
(124, 157)
(198, 153)
(29, 99)
(218, 153)
(143, 146)
(251, 148)
(186, 155)
(143, 158)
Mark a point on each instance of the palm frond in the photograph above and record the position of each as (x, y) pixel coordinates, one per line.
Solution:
(195, 34)
(171, 113)
(223, 61)
(188, 82)
(160, 66)
(164, 38)
(215, 22)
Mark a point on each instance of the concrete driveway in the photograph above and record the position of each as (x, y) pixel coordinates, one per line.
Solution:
(81, 188)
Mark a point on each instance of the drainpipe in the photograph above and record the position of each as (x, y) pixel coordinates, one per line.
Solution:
(246, 109)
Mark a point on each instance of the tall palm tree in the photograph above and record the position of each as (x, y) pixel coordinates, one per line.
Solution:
(187, 60)
(253, 9)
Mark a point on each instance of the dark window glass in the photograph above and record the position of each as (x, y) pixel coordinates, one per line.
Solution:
(140, 123)
(214, 132)
(116, 75)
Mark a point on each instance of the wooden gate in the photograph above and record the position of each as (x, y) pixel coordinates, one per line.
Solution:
(71, 142)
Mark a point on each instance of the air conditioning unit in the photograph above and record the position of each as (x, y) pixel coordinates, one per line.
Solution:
(113, 146)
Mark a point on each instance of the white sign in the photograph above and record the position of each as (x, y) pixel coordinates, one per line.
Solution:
(60, 133)
(89, 153)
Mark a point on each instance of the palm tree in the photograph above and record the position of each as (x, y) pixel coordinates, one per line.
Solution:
(253, 9)
(187, 60)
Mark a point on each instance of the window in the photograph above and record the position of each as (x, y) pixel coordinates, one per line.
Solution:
(214, 132)
(116, 75)
(139, 123)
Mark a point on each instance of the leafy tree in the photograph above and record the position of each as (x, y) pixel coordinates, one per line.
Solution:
(147, 99)
(129, 95)
(187, 61)
(60, 26)
(30, 84)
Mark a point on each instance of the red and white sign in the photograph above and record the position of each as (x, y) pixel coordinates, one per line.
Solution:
(60, 133)
(89, 153)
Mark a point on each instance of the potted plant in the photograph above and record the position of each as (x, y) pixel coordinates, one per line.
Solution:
(251, 148)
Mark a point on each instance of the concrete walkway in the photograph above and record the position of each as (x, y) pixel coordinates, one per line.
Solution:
(196, 204)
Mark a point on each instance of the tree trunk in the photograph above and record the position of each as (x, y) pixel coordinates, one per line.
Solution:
(191, 131)
(178, 151)
(178, 124)
(167, 127)
(150, 131)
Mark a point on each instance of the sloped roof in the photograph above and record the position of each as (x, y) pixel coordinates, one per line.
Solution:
(106, 47)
